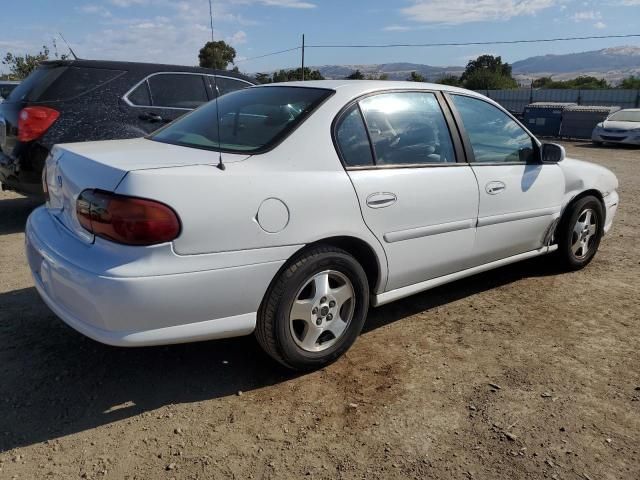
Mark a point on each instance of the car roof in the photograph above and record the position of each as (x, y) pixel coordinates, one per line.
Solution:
(364, 86)
(629, 110)
(143, 68)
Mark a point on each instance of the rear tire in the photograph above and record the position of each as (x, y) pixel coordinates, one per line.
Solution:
(580, 232)
(314, 310)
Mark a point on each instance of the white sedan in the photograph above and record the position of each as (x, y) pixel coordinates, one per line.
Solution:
(622, 126)
(288, 209)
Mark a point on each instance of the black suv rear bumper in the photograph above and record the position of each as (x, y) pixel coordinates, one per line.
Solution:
(25, 182)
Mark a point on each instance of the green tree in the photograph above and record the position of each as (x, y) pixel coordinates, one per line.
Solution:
(382, 76)
(357, 75)
(488, 72)
(217, 55)
(579, 83)
(450, 80)
(263, 78)
(296, 74)
(416, 77)
(20, 66)
(632, 83)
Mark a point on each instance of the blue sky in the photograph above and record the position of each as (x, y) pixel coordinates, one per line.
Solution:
(172, 31)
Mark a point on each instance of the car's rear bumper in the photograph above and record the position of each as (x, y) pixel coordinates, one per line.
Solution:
(144, 309)
(624, 139)
(21, 181)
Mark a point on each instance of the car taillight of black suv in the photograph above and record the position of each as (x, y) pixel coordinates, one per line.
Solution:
(66, 101)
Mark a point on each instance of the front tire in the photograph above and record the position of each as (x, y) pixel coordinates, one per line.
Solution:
(580, 232)
(314, 310)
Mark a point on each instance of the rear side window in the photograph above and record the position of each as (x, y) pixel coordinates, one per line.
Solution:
(75, 81)
(352, 139)
(226, 85)
(178, 90)
(407, 128)
(251, 120)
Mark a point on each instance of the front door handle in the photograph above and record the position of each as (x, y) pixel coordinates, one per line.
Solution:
(381, 199)
(493, 188)
(151, 117)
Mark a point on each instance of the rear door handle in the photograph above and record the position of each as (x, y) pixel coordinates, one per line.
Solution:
(493, 188)
(381, 199)
(151, 117)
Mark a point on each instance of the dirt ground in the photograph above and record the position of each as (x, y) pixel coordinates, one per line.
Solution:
(524, 372)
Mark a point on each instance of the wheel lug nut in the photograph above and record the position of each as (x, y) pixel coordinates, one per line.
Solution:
(319, 321)
(323, 299)
(329, 317)
(315, 310)
(332, 304)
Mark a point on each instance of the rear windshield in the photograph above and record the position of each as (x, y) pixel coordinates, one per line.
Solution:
(50, 84)
(251, 120)
(626, 116)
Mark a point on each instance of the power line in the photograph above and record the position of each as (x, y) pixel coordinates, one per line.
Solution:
(462, 44)
(268, 54)
(446, 44)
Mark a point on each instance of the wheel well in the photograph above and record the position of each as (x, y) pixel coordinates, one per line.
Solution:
(592, 192)
(361, 251)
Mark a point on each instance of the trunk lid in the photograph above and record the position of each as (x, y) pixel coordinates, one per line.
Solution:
(74, 167)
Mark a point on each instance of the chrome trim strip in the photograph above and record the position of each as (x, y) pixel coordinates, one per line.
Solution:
(515, 216)
(426, 231)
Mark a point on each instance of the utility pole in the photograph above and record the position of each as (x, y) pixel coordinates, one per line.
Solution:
(303, 57)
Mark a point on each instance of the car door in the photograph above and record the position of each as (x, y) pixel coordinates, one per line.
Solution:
(163, 97)
(520, 197)
(415, 192)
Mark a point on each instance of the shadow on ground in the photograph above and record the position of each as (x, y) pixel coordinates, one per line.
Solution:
(56, 382)
(14, 213)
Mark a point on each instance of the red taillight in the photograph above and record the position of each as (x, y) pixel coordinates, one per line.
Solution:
(34, 121)
(128, 220)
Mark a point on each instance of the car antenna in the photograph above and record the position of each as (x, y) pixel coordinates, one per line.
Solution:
(217, 92)
(75, 57)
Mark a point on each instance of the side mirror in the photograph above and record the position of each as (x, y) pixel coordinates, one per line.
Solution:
(552, 153)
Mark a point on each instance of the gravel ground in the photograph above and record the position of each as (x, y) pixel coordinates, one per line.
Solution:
(523, 372)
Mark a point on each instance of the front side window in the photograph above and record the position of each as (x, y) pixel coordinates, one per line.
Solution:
(495, 137)
(178, 90)
(407, 128)
(250, 120)
(352, 139)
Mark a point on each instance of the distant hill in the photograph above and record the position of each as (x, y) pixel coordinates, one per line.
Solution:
(606, 60)
(395, 71)
(613, 64)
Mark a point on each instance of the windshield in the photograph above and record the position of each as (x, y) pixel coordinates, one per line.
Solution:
(625, 116)
(251, 120)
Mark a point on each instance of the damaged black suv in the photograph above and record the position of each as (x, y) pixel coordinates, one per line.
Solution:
(65, 101)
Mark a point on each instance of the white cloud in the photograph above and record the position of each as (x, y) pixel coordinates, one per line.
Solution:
(466, 11)
(600, 25)
(96, 10)
(629, 3)
(586, 15)
(238, 38)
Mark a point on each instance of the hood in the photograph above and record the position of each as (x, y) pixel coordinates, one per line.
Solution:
(143, 154)
(621, 125)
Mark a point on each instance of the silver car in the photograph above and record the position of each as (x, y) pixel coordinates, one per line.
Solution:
(620, 127)
(288, 209)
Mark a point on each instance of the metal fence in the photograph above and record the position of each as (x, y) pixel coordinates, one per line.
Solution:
(516, 100)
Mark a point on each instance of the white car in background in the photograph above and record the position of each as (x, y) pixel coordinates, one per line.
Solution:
(620, 127)
(298, 206)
